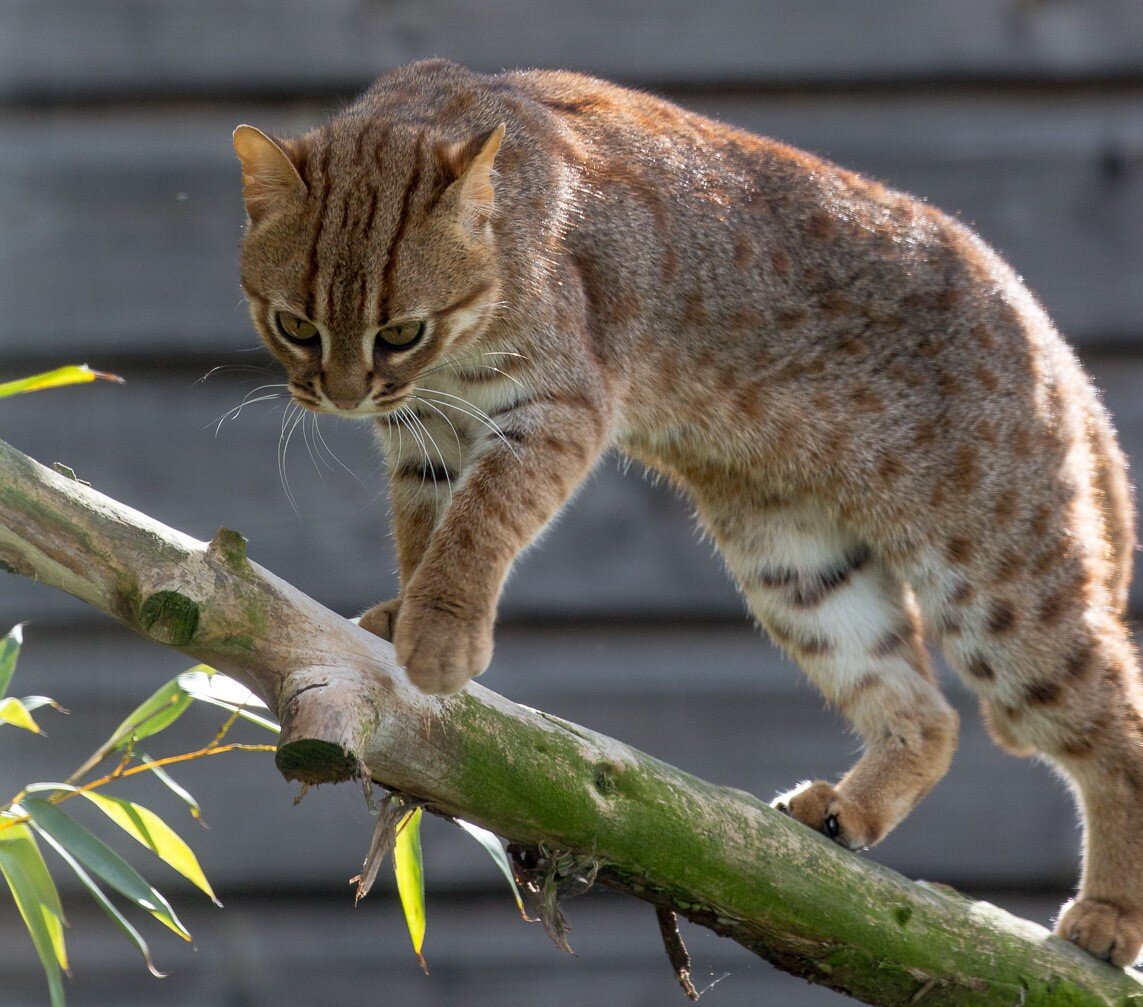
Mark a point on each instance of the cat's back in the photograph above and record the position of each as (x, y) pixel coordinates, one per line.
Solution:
(704, 231)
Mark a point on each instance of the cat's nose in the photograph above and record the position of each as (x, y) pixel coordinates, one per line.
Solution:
(346, 404)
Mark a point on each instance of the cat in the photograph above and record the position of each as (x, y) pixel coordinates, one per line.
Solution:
(878, 424)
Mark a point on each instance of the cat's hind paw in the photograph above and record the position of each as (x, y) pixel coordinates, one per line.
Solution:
(1103, 929)
(822, 808)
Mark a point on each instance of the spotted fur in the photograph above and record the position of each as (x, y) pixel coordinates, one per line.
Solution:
(879, 425)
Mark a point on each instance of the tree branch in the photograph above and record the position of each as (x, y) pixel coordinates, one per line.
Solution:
(581, 803)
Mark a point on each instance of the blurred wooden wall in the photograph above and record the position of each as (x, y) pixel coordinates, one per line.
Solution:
(121, 218)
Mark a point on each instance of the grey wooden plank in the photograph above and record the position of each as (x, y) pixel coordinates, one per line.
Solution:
(151, 444)
(129, 46)
(273, 952)
(122, 226)
(720, 703)
(624, 548)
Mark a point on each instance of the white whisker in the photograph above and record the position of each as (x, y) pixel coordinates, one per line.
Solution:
(516, 381)
(477, 414)
(400, 430)
(231, 367)
(440, 455)
(233, 414)
(443, 416)
(407, 419)
(291, 420)
(503, 353)
(453, 362)
(309, 446)
(332, 454)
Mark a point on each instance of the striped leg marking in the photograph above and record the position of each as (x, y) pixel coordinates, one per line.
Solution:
(829, 601)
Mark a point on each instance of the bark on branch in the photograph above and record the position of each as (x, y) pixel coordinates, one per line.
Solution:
(581, 802)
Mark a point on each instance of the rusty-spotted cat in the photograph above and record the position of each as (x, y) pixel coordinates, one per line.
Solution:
(510, 275)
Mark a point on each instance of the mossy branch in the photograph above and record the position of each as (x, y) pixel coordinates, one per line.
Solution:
(570, 799)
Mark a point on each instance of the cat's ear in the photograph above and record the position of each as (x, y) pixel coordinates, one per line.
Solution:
(471, 164)
(269, 177)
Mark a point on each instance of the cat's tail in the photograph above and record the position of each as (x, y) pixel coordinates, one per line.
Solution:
(1116, 501)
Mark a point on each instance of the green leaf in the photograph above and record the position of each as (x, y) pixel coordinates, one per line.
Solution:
(71, 375)
(149, 829)
(9, 651)
(160, 710)
(169, 782)
(491, 843)
(145, 826)
(103, 901)
(13, 712)
(409, 868)
(37, 900)
(209, 686)
(102, 860)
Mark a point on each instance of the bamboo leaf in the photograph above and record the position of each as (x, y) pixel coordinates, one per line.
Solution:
(491, 843)
(73, 374)
(172, 785)
(202, 679)
(9, 651)
(102, 901)
(36, 702)
(164, 706)
(102, 860)
(408, 865)
(209, 686)
(162, 709)
(36, 898)
(149, 829)
(13, 712)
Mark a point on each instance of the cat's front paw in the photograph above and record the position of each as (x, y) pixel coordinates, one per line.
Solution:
(1106, 930)
(822, 808)
(442, 645)
(381, 619)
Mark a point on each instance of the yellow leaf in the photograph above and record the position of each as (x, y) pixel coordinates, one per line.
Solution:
(70, 375)
(409, 869)
(12, 712)
(150, 830)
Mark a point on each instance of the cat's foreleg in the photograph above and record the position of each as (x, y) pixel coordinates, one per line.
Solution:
(545, 445)
(415, 507)
(420, 485)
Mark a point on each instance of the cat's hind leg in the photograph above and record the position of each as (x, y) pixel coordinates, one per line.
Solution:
(1057, 675)
(827, 598)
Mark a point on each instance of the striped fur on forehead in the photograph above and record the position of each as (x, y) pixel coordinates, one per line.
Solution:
(374, 243)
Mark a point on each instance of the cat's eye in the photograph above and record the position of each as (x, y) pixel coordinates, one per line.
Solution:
(400, 336)
(295, 329)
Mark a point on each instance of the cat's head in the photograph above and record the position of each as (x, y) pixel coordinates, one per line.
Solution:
(369, 257)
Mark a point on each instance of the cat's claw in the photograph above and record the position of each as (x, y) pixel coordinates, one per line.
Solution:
(1103, 929)
(441, 648)
(823, 809)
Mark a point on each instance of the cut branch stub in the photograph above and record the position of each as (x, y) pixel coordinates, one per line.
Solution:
(328, 719)
(230, 547)
(170, 617)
